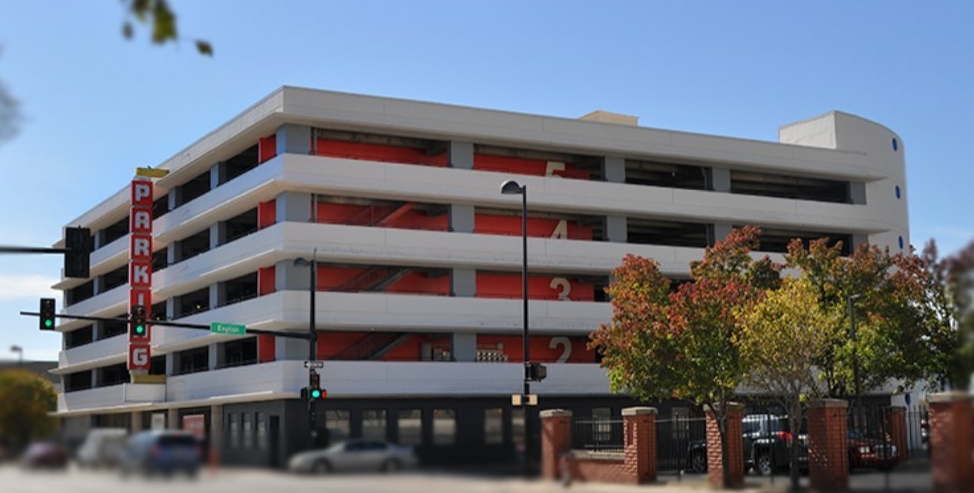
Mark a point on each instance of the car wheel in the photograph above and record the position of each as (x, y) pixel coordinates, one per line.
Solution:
(698, 463)
(391, 465)
(763, 465)
(322, 467)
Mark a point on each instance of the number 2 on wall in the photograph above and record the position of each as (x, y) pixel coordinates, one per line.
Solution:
(566, 345)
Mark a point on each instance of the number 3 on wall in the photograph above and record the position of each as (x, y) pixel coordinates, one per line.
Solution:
(566, 345)
(564, 287)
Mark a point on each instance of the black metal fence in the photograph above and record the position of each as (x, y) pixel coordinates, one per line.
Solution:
(681, 445)
(598, 435)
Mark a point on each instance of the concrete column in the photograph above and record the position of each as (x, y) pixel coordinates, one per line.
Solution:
(294, 139)
(218, 234)
(98, 285)
(464, 346)
(463, 282)
(720, 179)
(461, 218)
(170, 364)
(172, 419)
(135, 422)
(461, 155)
(717, 232)
(293, 206)
(218, 175)
(217, 295)
(614, 169)
(735, 448)
(951, 441)
(857, 193)
(639, 424)
(288, 276)
(556, 440)
(215, 358)
(616, 229)
(828, 456)
(290, 349)
(175, 197)
(99, 239)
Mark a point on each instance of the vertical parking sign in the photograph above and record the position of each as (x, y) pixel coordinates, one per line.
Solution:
(140, 268)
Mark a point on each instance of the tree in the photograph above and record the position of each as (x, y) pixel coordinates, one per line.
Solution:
(948, 288)
(684, 344)
(783, 335)
(26, 401)
(882, 292)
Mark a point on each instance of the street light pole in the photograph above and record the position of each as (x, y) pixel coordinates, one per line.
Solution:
(855, 350)
(511, 187)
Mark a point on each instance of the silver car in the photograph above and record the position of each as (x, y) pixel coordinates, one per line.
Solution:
(355, 455)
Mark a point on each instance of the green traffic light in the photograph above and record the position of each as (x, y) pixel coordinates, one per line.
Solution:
(315, 393)
(48, 323)
(139, 329)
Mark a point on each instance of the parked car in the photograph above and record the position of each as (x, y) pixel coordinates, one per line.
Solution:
(871, 453)
(355, 455)
(161, 452)
(45, 455)
(102, 447)
(767, 439)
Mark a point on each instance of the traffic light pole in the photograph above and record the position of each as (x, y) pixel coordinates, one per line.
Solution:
(312, 354)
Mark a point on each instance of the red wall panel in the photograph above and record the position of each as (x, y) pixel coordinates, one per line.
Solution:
(537, 227)
(524, 166)
(539, 287)
(266, 345)
(420, 283)
(266, 280)
(379, 152)
(544, 349)
(266, 214)
(266, 148)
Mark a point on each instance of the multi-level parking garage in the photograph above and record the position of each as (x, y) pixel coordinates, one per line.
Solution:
(418, 287)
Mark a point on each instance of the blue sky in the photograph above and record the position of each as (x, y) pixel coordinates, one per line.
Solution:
(97, 106)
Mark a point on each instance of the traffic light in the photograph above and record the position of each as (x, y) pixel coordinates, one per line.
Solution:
(139, 325)
(47, 314)
(77, 242)
(535, 372)
(315, 391)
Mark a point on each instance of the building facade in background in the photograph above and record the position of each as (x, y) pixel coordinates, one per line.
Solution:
(418, 286)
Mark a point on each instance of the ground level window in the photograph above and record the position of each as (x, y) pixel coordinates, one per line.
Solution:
(517, 428)
(374, 424)
(444, 426)
(493, 426)
(339, 424)
(410, 427)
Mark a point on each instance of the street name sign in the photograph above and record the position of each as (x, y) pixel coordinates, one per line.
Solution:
(230, 329)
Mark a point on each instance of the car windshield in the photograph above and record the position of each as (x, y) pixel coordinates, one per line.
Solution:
(177, 440)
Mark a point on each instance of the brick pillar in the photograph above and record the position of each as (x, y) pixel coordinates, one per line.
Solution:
(896, 425)
(951, 441)
(828, 456)
(556, 439)
(640, 443)
(735, 448)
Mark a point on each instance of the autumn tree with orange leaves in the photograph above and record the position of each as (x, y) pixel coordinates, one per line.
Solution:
(684, 344)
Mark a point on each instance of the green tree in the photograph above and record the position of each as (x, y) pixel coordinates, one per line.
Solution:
(684, 344)
(783, 335)
(884, 295)
(948, 288)
(25, 401)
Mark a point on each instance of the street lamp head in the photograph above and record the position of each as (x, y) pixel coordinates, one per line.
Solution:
(300, 262)
(16, 349)
(511, 187)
